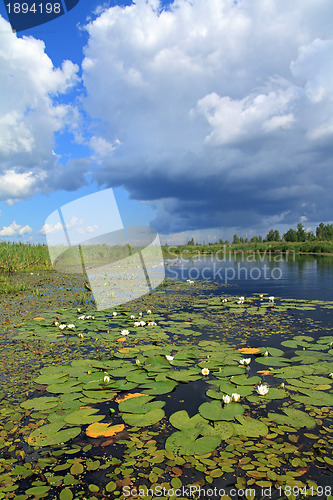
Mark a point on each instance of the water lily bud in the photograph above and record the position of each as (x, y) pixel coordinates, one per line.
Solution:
(235, 397)
(330, 375)
(114, 314)
(80, 335)
(106, 379)
(137, 362)
(226, 399)
(149, 311)
(282, 385)
(266, 353)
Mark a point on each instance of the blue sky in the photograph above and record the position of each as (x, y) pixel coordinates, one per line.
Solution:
(207, 117)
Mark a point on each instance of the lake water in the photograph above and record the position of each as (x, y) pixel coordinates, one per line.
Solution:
(287, 276)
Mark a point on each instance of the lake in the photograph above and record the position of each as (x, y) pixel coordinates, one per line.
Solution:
(287, 276)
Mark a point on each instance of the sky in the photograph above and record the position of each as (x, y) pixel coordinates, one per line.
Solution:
(206, 117)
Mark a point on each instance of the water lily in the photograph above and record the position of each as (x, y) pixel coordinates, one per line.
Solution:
(140, 314)
(271, 298)
(78, 310)
(106, 379)
(136, 323)
(205, 371)
(80, 335)
(56, 323)
(70, 327)
(282, 385)
(330, 375)
(125, 332)
(245, 361)
(132, 316)
(149, 311)
(235, 397)
(62, 327)
(152, 323)
(114, 313)
(261, 296)
(262, 389)
(169, 358)
(142, 323)
(81, 317)
(226, 399)
(137, 362)
(266, 353)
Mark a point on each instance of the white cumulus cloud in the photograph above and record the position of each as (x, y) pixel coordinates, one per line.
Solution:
(223, 109)
(29, 113)
(15, 230)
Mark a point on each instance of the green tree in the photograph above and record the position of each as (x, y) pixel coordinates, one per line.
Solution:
(236, 239)
(301, 234)
(277, 236)
(290, 235)
(270, 236)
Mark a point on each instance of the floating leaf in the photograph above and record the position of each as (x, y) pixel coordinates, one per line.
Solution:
(51, 434)
(143, 419)
(103, 430)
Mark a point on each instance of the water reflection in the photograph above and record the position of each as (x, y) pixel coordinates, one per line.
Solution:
(298, 276)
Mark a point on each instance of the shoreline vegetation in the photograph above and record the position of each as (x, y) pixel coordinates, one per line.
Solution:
(18, 256)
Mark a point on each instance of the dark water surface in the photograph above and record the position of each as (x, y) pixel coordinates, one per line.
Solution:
(307, 277)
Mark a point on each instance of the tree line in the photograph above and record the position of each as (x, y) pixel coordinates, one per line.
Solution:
(324, 232)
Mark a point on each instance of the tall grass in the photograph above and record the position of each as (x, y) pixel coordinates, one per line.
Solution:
(314, 247)
(23, 257)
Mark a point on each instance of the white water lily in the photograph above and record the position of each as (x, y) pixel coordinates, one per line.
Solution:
(140, 314)
(137, 362)
(266, 353)
(271, 298)
(79, 310)
(245, 361)
(70, 326)
(261, 296)
(205, 371)
(125, 332)
(149, 311)
(152, 323)
(56, 323)
(114, 313)
(330, 375)
(62, 327)
(262, 389)
(142, 323)
(132, 316)
(169, 358)
(106, 379)
(81, 317)
(80, 335)
(235, 397)
(136, 323)
(226, 399)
